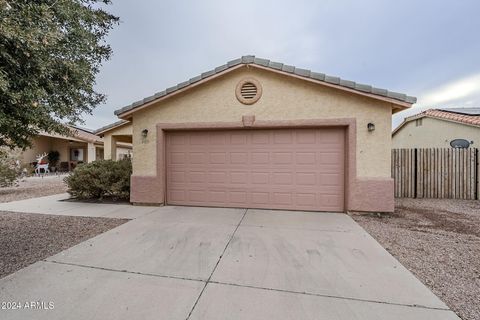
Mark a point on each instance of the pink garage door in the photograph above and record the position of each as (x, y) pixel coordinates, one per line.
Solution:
(300, 169)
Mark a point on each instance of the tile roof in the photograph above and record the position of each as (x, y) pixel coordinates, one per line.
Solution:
(84, 134)
(453, 115)
(77, 133)
(470, 116)
(110, 126)
(364, 88)
(467, 111)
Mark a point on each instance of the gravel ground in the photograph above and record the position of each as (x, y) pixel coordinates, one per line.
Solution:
(33, 187)
(26, 238)
(439, 241)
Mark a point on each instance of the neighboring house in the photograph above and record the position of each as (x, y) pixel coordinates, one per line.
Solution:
(117, 139)
(259, 134)
(437, 128)
(81, 146)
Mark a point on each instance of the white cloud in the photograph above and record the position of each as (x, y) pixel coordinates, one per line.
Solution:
(463, 90)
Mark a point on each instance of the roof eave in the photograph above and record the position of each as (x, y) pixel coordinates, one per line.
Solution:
(402, 101)
(113, 126)
(401, 104)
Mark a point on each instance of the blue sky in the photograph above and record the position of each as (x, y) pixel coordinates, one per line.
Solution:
(428, 49)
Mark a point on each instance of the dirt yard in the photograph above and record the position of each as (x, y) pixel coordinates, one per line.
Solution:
(33, 187)
(26, 238)
(439, 241)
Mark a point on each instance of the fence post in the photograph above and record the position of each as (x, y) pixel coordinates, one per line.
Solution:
(477, 175)
(415, 166)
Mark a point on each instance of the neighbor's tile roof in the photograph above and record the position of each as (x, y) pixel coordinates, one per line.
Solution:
(84, 134)
(470, 116)
(364, 88)
(455, 114)
(77, 133)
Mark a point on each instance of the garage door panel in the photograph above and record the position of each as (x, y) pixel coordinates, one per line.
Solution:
(238, 197)
(238, 138)
(306, 137)
(282, 137)
(259, 137)
(239, 158)
(281, 169)
(217, 177)
(260, 158)
(217, 139)
(305, 158)
(260, 177)
(218, 196)
(239, 177)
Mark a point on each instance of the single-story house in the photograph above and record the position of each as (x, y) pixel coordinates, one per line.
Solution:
(117, 139)
(82, 145)
(439, 128)
(255, 133)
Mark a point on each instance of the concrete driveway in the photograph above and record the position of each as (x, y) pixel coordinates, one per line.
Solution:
(216, 263)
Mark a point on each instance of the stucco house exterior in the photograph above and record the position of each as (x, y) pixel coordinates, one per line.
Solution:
(81, 146)
(117, 139)
(437, 128)
(260, 134)
(113, 141)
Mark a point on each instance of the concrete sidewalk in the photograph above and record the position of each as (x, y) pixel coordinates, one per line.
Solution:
(60, 204)
(217, 263)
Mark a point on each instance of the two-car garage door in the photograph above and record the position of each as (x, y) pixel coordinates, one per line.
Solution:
(299, 169)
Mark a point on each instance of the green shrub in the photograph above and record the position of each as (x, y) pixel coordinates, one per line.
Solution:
(101, 179)
(9, 168)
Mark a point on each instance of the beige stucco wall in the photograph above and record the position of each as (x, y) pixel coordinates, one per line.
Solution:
(41, 144)
(123, 130)
(434, 133)
(284, 98)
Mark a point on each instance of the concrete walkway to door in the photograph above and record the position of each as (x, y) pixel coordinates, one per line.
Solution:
(217, 263)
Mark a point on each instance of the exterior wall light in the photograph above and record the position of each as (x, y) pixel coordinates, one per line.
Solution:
(144, 133)
(371, 127)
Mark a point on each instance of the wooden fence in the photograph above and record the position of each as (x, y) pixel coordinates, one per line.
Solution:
(436, 173)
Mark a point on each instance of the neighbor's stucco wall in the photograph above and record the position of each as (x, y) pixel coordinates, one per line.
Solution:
(40, 144)
(63, 147)
(434, 133)
(284, 98)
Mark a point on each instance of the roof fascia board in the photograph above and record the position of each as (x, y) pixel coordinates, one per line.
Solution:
(111, 128)
(404, 105)
(126, 115)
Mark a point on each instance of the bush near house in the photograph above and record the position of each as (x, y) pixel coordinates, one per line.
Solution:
(9, 168)
(101, 179)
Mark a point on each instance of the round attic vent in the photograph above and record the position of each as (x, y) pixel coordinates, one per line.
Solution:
(248, 91)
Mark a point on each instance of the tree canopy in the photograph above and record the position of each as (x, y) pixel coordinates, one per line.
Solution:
(50, 53)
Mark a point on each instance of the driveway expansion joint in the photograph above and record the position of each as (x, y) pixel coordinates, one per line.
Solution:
(294, 228)
(330, 296)
(122, 271)
(216, 264)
